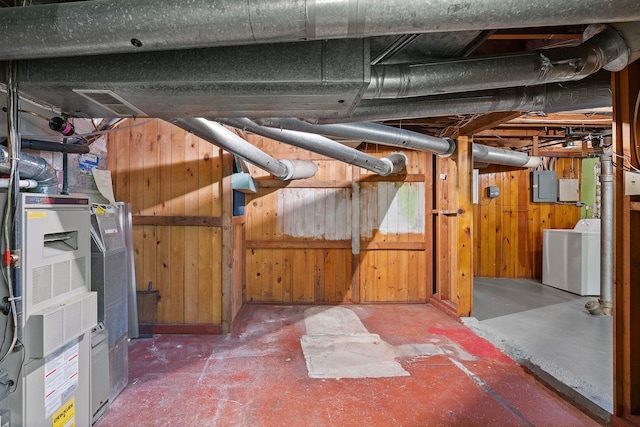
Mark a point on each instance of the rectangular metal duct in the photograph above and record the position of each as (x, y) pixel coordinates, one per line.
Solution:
(317, 79)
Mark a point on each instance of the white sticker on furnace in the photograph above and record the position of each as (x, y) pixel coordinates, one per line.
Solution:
(61, 377)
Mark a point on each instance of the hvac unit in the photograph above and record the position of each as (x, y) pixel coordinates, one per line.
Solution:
(48, 369)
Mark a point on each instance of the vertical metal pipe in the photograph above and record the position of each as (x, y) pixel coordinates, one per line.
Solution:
(606, 235)
(65, 170)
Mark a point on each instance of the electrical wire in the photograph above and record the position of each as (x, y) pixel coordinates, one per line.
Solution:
(634, 130)
(17, 381)
(86, 135)
(4, 335)
(624, 158)
(8, 217)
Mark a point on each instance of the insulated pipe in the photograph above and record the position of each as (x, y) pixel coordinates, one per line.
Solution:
(604, 305)
(387, 135)
(606, 49)
(32, 167)
(218, 135)
(499, 156)
(549, 98)
(24, 183)
(67, 148)
(32, 144)
(117, 26)
(370, 132)
(325, 146)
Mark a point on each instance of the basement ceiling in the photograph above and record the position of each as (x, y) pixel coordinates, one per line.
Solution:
(318, 80)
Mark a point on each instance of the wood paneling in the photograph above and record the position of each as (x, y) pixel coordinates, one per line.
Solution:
(300, 235)
(453, 219)
(298, 275)
(173, 181)
(626, 353)
(508, 229)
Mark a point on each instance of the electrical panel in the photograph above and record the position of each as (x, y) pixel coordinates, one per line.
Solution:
(544, 186)
(631, 183)
(568, 190)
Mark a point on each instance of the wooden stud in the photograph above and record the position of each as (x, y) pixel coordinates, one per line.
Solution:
(178, 220)
(227, 243)
(626, 89)
(535, 150)
(464, 227)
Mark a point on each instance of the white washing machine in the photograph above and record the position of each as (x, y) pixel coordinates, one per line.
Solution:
(571, 258)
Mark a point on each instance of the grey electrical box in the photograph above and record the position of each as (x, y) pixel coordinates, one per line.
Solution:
(493, 192)
(568, 190)
(544, 186)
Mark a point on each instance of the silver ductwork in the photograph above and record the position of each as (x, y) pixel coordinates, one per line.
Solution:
(369, 132)
(605, 49)
(218, 135)
(393, 163)
(498, 156)
(32, 167)
(549, 98)
(387, 135)
(116, 26)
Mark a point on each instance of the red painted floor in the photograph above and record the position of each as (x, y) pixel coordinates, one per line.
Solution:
(258, 377)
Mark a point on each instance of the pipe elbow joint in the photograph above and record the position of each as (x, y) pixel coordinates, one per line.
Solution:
(299, 169)
(395, 162)
(610, 45)
(451, 150)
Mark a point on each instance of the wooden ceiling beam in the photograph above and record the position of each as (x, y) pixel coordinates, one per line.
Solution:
(488, 121)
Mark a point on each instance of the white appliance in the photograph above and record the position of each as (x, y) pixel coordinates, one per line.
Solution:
(49, 370)
(571, 258)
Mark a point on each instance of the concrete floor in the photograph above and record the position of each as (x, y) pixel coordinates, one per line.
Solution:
(259, 375)
(549, 331)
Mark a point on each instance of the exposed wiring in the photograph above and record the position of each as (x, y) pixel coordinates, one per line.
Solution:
(485, 204)
(33, 113)
(624, 158)
(86, 135)
(577, 203)
(17, 381)
(634, 130)
(8, 216)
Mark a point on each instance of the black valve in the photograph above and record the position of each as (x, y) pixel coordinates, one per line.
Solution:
(61, 125)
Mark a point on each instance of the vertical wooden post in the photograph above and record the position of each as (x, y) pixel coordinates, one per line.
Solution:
(429, 235)
(535, 146)
(464, 226)
(227, 242)
(626, 86)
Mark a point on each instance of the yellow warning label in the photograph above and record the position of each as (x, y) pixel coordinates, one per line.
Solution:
(36, 214)
(66, 415)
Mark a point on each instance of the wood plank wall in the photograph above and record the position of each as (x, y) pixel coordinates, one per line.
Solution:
(173, 181)
(508, 229)
(452, 218)
(300, 245)
(626, 352)
(394, 231)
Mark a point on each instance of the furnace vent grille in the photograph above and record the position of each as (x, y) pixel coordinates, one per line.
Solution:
(112, 102)
(60, 278)
(41, 284)
(78, 269)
